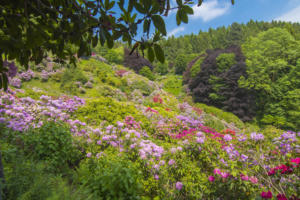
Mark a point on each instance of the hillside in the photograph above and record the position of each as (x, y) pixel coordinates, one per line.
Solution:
(102, 131)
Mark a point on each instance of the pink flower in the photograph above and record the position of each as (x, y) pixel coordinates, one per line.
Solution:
(156, 177)
(266, 195)
(253, 179)
(296, 160)
(224, 174)
(217, 171)
(211, 178)
(99, 142)
(244, 177)
(179, 185)
(88, 155)
(281, 197)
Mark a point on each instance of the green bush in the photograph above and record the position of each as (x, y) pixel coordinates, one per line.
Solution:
(53, 144)
(225, 61)
(112, 179)
(142, 86)
(107, 109)
(146, 71)
(196, 68)
(228, 117)
(172, 84)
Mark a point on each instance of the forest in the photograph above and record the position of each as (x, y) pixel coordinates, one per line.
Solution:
(218, 119)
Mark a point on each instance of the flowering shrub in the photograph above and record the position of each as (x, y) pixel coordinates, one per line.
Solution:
(157, 155)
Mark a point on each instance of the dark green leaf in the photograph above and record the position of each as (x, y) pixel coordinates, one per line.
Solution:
(232, 2)
(111, 5)
(139, 8)
(178, 20)
(188, 9)
(179, 2)
(159, 24)
(150, 54)
(183, 16)
(156, 37)
(159, 53)
(200, 2)
(146, 25)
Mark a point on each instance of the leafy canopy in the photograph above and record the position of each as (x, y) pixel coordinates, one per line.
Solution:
(31, 29)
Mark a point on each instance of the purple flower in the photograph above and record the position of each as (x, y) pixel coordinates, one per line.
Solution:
(256, 136)
(171, 162)
(179, 185)
(156, 177)
(244, 157)
(227, 138)
(88, 155)
(200, 140)
(99, 142)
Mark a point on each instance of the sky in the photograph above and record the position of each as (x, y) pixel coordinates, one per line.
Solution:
(216, 13)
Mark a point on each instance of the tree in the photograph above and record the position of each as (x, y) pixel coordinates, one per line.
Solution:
(31, 28)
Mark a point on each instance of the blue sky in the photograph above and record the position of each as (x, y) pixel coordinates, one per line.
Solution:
(215, 13)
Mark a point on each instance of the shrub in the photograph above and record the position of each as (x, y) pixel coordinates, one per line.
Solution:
(146, 71)
(107, 109)
(53, 144)
(112, 179)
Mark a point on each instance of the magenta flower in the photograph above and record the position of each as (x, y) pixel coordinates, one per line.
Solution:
(266, 195)
(211, 178)
(217, 171)
(224, 174)
(179, 185)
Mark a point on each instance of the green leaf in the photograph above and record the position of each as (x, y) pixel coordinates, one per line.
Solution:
(183, 16)
(159, 53)
(178, 20)
(159, 24)
(232, 2)
(200, 2)
(111, 5)
(179, 2)
(156, 37)
(188, 9)
(139, 8)
(146, 26)
(150, 54)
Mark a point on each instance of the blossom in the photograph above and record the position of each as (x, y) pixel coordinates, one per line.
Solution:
(296, 160)
(156, 177)
(253, 179)
(227, 137)
(179, 185)
(244, 157)
(217, 171)
(281, 197)
(171, 162)
(211, 178)
(256, 136)
(244, 177)
(266, 195)
(88, 155)
(224, 174)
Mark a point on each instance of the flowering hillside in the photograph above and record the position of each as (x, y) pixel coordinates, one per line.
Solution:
(103, 132)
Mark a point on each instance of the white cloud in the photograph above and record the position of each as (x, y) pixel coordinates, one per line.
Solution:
(291, 16)
(210, 10)
(175, 31)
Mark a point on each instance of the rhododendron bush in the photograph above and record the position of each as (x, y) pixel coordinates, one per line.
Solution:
(168, 156)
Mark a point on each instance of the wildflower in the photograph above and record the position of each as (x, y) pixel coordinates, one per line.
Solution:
(224, 174)
(88, 155)
(244, 177)
(281, 197)
(211, 178)
(156, 177)
(244, 157)
(296, 160)
(171, 162)
(253, 179)
(217, 171)
(200, 140)
(179, 185)
(256, 136)
(266, 195)
(227, 138)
